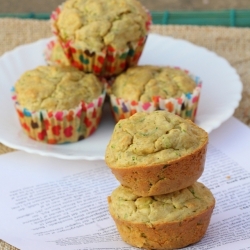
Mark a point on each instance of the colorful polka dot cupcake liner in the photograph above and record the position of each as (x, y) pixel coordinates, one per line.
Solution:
(108, 62)
(58, 127)
(185, 106)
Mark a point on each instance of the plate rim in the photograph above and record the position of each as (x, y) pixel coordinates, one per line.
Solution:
(216, 124)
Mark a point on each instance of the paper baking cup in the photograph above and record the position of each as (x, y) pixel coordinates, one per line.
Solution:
(108, 62)
(185, 106)
(57, 127)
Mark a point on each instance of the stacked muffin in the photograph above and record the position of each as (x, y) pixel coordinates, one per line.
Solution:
(158, 157)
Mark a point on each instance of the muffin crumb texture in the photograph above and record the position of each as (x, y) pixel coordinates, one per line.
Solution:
(143, 83)
(172, 207)
(55, 54)
(168, 221)
(92, 25)
(56, 88)
(152, 138)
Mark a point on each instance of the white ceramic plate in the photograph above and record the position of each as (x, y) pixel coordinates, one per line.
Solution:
(221, 93)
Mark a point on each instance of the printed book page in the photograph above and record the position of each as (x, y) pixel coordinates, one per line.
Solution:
(49, 203)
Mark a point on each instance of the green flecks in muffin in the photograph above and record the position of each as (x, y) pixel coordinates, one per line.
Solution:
(149, 133)
(168, 144)
(171, 207)
(156, 138)
(178, 153)
(191, 190)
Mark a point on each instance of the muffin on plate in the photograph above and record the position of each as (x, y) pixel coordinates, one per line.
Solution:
(168, 221)
(102, 36)
(58, 104)
(156, 153)
(148, 88)
(54, 54)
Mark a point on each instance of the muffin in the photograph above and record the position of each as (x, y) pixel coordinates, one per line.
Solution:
(156, 153)
(148, 88)
(167, 221)
(54, 54)
(102, 36)
(58, 104)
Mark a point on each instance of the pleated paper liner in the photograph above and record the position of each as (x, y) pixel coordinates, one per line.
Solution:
(185, 106)
(66, 126)
(108, 62)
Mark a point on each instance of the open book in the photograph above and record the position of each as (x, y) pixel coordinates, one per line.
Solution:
(52, 204)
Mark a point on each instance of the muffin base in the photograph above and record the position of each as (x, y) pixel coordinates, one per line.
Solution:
(168, 235)
(163, 178)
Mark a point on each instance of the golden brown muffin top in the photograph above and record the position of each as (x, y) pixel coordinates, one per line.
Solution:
(172, 207)
(56, 88)
(142, 83)
(147, 139)
(92, 25)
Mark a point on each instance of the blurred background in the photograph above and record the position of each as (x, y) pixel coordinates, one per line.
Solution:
(188, 12)
(39, 6)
